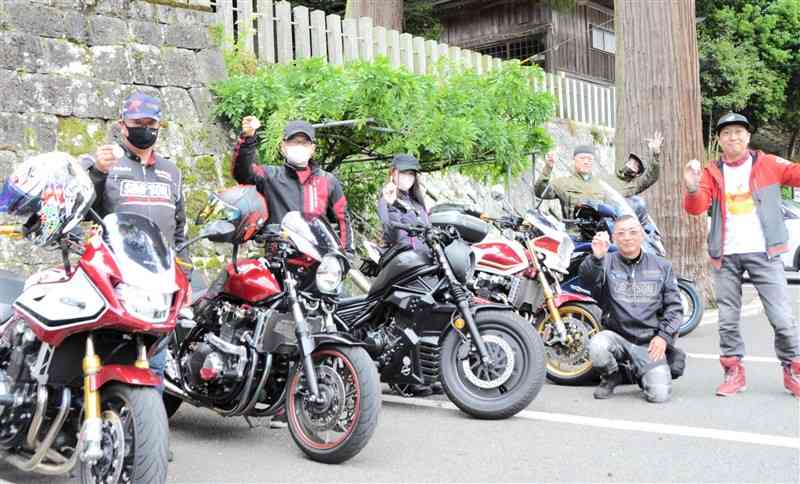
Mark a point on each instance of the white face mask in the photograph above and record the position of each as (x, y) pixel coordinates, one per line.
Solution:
(405, 181)
(298, 156)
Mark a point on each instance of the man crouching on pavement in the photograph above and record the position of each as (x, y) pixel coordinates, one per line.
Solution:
(639, 296)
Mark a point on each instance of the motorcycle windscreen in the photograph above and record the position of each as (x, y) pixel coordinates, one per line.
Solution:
(313, 238)
(142, 255)
(616, 201)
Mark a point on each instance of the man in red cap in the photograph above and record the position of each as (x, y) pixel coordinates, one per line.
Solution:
(747, 233)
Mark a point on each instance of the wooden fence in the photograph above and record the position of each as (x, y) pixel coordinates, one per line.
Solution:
(276, 32)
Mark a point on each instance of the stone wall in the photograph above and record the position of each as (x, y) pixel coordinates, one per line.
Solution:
(66, 66)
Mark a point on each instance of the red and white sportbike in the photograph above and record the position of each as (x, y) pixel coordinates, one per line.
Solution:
(522, 267)
(75, 384)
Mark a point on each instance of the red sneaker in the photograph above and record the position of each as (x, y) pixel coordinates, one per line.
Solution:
(791, 377)
(734, 376)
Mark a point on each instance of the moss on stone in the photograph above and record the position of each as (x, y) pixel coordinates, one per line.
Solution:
(75, 138)
(597, 136)
(180, 4)
(31, 140)
(217, 34)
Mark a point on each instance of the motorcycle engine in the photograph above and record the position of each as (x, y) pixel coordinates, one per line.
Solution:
(216, 360)
(494, 287)
(18, 347)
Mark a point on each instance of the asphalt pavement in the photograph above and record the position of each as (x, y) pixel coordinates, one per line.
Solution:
(564, 435)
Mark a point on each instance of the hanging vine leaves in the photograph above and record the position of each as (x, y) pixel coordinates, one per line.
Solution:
(453, 119)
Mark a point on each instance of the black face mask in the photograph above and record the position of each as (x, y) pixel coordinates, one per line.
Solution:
(142, 137)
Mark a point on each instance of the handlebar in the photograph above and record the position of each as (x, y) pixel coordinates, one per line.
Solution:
(11, 231)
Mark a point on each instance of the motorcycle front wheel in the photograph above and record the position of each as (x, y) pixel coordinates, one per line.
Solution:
(135, 438)
(336, 428)
(569, 364)
(510, 383)
(692, 307)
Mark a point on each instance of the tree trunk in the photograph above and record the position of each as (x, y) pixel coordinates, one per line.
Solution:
(658, 85)
(793, 142)
(386, 13)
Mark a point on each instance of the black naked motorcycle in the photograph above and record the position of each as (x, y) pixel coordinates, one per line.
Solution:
(262, 338)
(421, 324)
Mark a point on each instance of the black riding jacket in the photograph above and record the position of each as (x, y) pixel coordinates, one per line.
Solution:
(314, 192)
(153, 189)
(640, 297)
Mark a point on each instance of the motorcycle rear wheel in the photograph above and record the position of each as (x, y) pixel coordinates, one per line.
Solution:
(135, 437)
(509, 387)
(338, 428)
(583, 319)
(692, 307)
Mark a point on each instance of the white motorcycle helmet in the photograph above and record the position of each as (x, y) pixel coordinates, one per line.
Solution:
(53, 191)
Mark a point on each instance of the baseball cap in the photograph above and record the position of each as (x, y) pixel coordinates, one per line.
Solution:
(298, 127)
(139, 105)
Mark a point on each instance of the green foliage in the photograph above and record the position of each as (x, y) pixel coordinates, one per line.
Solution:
(454, 119)
(750, 59)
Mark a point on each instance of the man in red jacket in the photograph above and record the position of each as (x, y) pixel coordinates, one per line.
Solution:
(747, 233)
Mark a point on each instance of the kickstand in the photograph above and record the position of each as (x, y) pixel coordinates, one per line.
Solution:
(247, 419)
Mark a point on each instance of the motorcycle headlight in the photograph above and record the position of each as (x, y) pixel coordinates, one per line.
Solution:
(149, 306)
(329, 274)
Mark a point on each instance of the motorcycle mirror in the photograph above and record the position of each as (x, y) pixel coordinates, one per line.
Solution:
(498, 193)
(218, 231)
(373, 253)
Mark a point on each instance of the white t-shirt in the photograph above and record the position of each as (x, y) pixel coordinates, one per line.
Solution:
(743, 232)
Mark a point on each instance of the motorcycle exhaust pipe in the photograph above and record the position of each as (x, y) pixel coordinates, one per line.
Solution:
(43, 448)
(173, 390)
(176, 391)
(360, 280)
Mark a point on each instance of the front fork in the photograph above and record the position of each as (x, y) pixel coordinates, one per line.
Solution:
(92, 428)
(549, 297)
(303, 337)
(462, 302)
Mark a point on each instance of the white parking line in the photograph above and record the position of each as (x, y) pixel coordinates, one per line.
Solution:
(754, 359)
(749, 310)
(655, 428)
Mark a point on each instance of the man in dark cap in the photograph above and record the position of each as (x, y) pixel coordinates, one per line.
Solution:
(298, 185)
(131, 177)
(583, 184)
(747, 233)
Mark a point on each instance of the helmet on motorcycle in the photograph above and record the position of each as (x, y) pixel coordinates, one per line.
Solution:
(242, 206)
(53, 190)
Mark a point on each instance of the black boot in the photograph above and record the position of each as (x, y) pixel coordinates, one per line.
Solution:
(607, 385)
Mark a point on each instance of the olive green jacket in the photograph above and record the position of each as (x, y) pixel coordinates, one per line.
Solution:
(572, 188)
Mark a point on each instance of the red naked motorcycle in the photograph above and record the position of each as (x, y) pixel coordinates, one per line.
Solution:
(75, 384)
(523, 268)
(262, 339)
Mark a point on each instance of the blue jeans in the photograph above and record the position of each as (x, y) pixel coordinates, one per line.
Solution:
(157, 364)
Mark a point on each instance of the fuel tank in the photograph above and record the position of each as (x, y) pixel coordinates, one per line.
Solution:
(252, 283)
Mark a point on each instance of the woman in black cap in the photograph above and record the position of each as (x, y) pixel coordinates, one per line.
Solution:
(402, 202)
